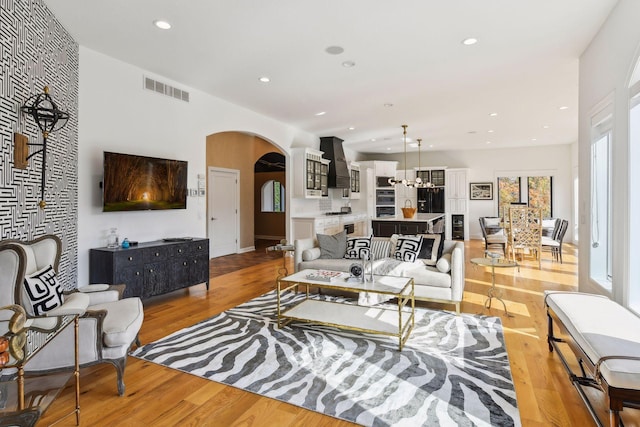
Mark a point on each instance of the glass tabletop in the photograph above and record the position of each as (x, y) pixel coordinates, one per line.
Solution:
(494, 262)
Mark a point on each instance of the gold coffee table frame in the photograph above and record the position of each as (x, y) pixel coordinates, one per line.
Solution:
(384, 320)
(494, 292)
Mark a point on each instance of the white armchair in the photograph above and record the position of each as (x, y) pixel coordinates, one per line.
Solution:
(108, 327)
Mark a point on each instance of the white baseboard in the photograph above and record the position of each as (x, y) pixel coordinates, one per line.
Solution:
(249, 249)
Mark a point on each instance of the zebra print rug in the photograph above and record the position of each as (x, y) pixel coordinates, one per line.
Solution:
(453, 369)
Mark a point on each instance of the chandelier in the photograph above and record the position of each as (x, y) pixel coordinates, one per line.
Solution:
(417, 183)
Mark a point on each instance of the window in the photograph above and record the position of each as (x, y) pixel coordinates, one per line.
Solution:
(540, 194)
(634, 198)
(600, 267)
(273, 196)
(508, 192)
(537, 194)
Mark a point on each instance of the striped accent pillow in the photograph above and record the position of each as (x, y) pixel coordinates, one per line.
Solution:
(380, 247)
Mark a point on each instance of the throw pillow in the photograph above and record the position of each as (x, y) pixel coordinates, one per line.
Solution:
(381, 247)
(332, 246)
(444, 263)
(358, 248)
(407, 248)
(42, 292)
(311, 254)
(431, 251)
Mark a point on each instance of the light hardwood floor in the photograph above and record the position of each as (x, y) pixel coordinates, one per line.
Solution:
(158, 396)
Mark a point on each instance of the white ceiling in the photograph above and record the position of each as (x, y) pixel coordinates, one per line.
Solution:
(407, 53)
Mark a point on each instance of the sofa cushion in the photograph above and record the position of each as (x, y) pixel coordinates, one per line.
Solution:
(407, 248)
(42, 292)
(332, 246)
(338, 264)
(431, 251)
(427, 275)
(358, 247)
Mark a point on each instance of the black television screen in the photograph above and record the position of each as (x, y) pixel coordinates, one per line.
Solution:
(134, 183)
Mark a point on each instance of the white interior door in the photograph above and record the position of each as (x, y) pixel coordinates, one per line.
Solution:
(223, 211)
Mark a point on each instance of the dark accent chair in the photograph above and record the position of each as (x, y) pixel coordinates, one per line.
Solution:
(493, 234)
(554, 243)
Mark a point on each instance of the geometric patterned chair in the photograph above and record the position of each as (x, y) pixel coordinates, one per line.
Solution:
(525, 231)
(108, 328)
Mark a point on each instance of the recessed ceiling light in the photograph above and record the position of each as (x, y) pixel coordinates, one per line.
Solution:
(373, 140)
(488, 142)
(265, 79)
(163, 25)
(490, 131)
(534, 139)
(469, 41)
(388, 148)
(545, 127)
(388, 105)
(564, 107)
(334, 50)
(430, 145)
(351, 128)
(348, 64)
(321, 113)
(493, 114)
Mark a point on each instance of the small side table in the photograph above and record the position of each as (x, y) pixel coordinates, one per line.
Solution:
(284, 248)
(493, 291)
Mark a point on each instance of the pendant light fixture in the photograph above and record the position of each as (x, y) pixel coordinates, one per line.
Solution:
(405, 181)
(419, 183)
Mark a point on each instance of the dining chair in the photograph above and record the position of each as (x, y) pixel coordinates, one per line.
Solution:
(554, 243)
(525, 231)
(493, 233)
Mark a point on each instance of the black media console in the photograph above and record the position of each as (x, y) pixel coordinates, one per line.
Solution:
(152, 268)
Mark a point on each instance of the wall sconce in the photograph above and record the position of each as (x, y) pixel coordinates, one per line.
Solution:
(49, 118)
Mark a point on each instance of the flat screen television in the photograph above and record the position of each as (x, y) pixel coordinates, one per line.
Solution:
(135, 183)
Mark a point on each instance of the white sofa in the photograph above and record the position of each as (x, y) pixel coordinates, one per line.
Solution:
(431, 284)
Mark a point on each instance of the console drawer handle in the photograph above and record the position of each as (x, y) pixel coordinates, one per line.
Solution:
(184, 263)
(130, 258)
(151, 270)
(157, 254)
(137, 273)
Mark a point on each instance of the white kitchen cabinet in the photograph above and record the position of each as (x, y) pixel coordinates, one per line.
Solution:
(457, 201)
(310, 173)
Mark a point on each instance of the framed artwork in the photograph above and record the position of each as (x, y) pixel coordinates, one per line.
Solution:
(481, 191)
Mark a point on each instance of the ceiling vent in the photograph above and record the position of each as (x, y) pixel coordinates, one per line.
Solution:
(165, 89)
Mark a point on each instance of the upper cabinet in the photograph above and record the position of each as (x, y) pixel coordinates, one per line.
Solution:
(311, 174)
(354, 187)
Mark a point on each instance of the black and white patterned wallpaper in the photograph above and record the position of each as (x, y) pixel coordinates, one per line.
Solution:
(37, 51)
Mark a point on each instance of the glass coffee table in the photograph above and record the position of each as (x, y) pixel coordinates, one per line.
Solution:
(493, 291)
(381, 319)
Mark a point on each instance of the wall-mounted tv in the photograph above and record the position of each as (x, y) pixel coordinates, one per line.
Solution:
(135, 183)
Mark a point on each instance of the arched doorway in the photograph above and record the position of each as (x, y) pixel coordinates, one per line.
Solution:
(240, 151)
(269, 203)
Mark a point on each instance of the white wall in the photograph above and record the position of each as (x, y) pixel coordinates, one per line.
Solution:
(117, 114)
(487, 164)
(605, 70)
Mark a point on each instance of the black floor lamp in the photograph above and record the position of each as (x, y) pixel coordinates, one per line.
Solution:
(49, 118)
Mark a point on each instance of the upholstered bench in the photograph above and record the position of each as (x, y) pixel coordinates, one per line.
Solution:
(605, 339)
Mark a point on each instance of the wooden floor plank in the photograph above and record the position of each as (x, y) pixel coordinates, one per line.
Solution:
(160, 396)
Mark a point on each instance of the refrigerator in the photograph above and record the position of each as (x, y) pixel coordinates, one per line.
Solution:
(431, 200)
